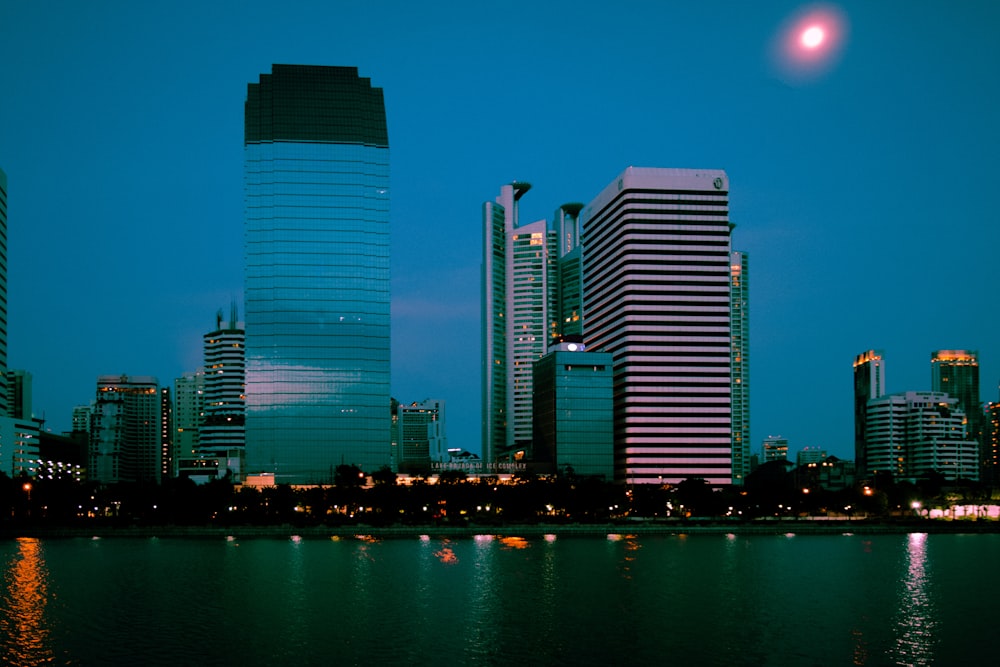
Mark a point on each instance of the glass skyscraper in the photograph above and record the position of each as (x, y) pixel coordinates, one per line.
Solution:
(869, 383)
(573, 411)
(519, 320)
(739, 332)
(317, 273)
(956, 372)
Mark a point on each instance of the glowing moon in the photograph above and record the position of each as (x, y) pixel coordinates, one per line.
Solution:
(813, 37)
(809, 43)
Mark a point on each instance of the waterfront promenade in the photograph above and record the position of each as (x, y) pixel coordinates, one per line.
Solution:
(681, 527)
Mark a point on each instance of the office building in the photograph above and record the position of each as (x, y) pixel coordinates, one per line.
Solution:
(3, 293)
(19, 431)
(189, 411)
(167, 463)
(774, 448)
(990, 445)
(913, 433)
(828, 473)
(574, 411)
(61, 457)
(956, 373)
(19, 394)
(810, 456)
(869, 383)
(18, 446)
(316, 168)
(656, 296)
(81, 419)
(421, 435)
(125, 443)
(570, 271)
(222, 432)
(739, 328)
(520, 318)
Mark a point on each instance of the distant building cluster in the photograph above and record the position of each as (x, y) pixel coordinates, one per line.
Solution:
(911, 434)
(641, 287)
(615, 339)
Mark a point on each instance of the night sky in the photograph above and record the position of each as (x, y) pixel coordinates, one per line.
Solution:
(862, 174)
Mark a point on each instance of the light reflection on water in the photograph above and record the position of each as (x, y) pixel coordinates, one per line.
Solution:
(494, 600)
(915, 620)
(24, 632)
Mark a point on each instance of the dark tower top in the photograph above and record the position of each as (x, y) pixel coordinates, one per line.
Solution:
(315, 103)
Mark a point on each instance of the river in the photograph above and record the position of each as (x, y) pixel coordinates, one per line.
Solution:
(904, 599)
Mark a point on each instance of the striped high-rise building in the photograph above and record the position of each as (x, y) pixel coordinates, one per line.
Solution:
(222, 426)
(657, 297)
(316, 166)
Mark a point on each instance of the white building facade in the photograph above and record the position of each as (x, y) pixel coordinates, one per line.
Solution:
(222, 428)
(914, 433)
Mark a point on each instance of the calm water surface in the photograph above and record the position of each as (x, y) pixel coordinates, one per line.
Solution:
(697, 600)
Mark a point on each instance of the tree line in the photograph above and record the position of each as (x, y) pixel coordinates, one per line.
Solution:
(771, 491)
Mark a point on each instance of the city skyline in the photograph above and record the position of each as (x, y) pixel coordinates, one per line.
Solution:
(854, 191)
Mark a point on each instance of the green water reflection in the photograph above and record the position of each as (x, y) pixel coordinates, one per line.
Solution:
(496, 600)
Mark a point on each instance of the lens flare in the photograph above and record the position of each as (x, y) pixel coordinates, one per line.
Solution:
(809, 43)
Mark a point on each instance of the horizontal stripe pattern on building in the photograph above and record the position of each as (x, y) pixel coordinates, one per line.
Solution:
(657, 297)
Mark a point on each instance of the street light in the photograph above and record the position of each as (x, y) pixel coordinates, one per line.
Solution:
(27, 489)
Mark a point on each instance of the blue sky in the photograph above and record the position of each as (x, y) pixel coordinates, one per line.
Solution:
(863, 193)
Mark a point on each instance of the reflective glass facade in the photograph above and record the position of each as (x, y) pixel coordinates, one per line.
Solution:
(739, 332)
(519, 320)
(317, 274)
(574, 411)
(869, 383)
